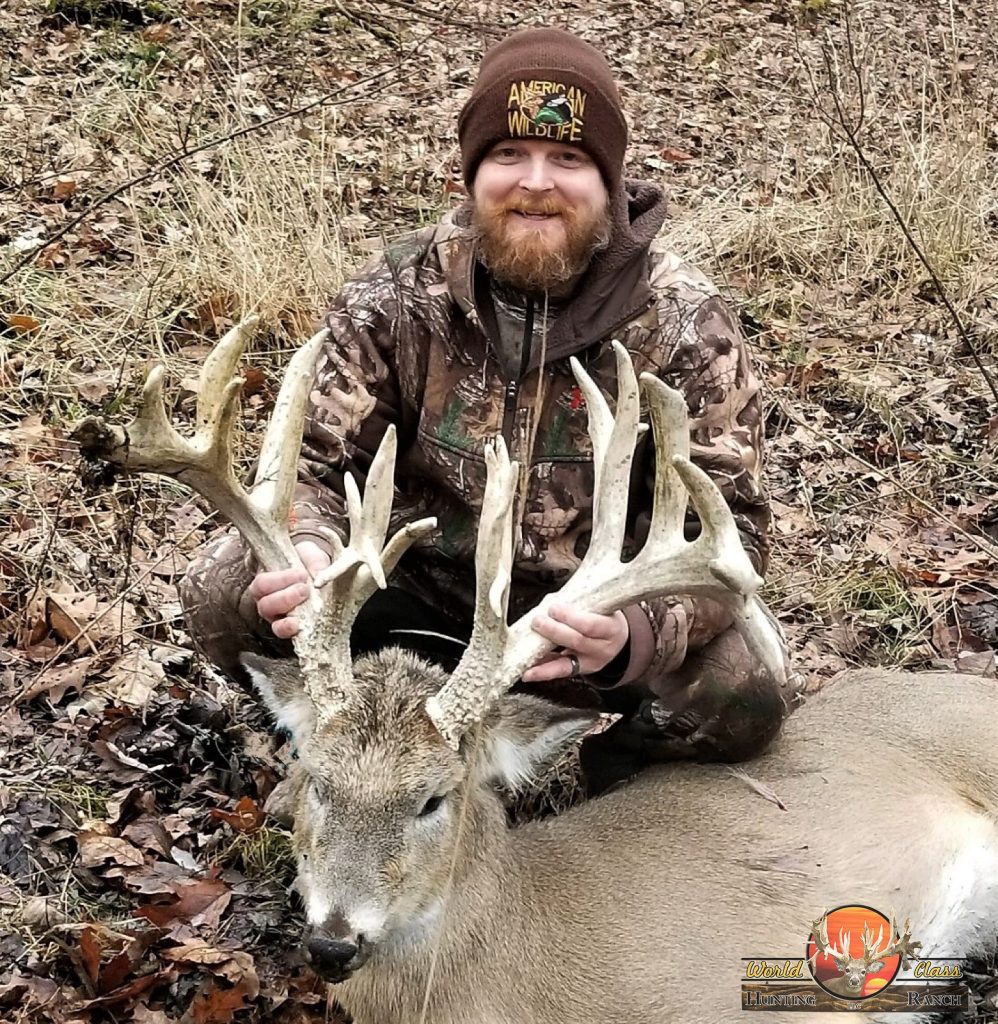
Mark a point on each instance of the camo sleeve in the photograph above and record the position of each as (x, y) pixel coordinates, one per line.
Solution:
(354, 398)
(712, 367)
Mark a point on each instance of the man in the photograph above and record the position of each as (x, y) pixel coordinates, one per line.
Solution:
(462, 331)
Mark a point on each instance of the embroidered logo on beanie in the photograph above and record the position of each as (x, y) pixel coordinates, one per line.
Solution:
(538, 109)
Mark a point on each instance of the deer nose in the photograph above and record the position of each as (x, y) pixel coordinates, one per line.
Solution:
(334, 959)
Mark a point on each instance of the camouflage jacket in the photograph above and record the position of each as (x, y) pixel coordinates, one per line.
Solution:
(413, 344)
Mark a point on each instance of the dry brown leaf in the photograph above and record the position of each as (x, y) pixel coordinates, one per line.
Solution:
(234, 965)
(135, 678)
(22, 323)
(56, 680)
(198, 902)
(63, 187)
(158, 33)
(141, 1014)
(90, 951)
(215, 1005)
(43, 912)
(132, 989)
(96, 849)
(247, 816)
(148, 833)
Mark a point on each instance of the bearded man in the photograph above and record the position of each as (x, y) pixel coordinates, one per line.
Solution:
(462, 331)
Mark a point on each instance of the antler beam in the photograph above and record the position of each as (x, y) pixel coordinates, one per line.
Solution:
(714, 564)
(150, 444)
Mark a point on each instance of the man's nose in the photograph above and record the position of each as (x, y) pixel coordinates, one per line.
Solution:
(536, 175)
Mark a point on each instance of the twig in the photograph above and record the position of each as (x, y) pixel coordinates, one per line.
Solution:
(843, 127)
(369, 23)
(327, 99)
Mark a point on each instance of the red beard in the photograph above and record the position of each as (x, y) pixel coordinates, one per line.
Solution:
(538, 259)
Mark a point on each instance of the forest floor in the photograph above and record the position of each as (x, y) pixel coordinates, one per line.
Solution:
(169, 165)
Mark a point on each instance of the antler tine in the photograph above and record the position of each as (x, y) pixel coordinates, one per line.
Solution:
(475, 683)
(715, 563)
(277, 468)
(150, 444)
(204, 462)
(323, 642)
(613, 438)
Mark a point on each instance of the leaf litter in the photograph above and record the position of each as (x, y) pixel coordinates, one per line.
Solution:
(140, 878)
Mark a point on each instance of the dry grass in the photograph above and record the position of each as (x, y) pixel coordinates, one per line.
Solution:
(824, 241)
(273, 222)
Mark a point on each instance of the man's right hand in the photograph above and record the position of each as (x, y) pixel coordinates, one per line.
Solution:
(278, 594)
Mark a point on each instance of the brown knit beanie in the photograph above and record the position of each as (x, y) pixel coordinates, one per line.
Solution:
(545, 83)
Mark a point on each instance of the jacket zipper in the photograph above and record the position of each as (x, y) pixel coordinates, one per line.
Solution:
(512, 391)
(513, 386)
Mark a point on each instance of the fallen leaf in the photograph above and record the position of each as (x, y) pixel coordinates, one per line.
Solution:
(247, 817)
(90, 951)
(43, 912)
(96, 849)
(216, 1005)
(56, 680)
(135, 678)
(234, 965)
(64, 187)
(148, 833)
(22, 323)
(198, 902)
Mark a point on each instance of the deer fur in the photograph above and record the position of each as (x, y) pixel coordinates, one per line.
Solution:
(634, 908)
(640, 905)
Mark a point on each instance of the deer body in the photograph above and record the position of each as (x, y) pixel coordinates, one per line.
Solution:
(638, 907)
(641, 905)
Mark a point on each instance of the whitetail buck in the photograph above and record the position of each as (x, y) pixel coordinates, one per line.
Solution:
(855, 970)
(635, 907)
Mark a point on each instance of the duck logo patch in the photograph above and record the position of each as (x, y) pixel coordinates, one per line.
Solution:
(538, 109)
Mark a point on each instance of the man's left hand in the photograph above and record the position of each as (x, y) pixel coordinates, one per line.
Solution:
(595, 640)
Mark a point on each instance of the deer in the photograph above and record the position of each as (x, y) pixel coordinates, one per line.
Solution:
(855, 970)
(423, 906)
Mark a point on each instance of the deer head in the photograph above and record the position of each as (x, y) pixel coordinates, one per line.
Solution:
(855, 970)
(395, 803)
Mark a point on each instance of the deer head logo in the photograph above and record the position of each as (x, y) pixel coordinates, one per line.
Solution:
(858, 963)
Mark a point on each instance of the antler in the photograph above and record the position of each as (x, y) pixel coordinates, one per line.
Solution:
(900, 945)
(840, 954)
(715, 563)
(150, 444)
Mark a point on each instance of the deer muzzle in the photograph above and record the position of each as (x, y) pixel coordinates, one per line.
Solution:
(335, 959)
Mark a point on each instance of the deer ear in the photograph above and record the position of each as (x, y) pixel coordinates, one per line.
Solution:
(279, 683)
(874, 967)
(522, 735)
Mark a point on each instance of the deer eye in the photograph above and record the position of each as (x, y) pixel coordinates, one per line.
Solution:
(432, 804)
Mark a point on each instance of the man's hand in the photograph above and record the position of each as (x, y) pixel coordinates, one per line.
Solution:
(595, 640)
(277, 594)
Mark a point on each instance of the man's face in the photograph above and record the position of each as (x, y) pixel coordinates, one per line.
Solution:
(541, 211)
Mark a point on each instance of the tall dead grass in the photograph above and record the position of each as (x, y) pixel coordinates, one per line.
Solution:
(816, 232)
